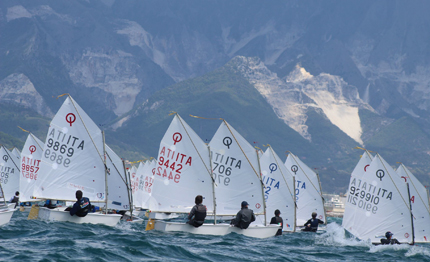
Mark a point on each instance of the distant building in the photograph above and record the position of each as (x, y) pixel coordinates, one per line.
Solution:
(334, 205)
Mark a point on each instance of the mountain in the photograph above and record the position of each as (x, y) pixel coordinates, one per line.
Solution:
(316, 78)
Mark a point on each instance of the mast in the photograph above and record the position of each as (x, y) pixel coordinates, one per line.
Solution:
(106, 178)
(213, 184)
(295, 205)
(322, 199)
(262, 189)
(129, 190)
(412, 215)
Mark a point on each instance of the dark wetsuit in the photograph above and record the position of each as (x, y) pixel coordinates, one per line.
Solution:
(244, 217)
(314, 224)
(277, 220)
(197, 215)
(392, 241)
(15, 200)
(81, 207)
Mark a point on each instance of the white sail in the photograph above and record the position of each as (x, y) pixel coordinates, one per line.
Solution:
(236, 172)
(183, 170)
(420, 205)
(308, 191)
(279, 192)
(350, 209)
(31, 156)
(380, 205)
(118, 190)
(72, 157)
(9, 172)
(146, 183)
(135, 182)
(16, 153)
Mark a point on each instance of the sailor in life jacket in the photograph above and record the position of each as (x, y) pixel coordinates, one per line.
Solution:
(15, 199)
(312, 224)
(82, 205)
(277, 220)
(197, 215)
(244, 217)
(389, 240)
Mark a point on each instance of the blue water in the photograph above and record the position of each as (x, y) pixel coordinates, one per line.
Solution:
(34, 240)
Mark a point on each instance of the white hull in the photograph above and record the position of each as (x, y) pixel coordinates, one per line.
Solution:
(216, 230)
(5, 216)
(257, 231)
(11, 205)
(205, 229)
(92, 218)
(162, 216)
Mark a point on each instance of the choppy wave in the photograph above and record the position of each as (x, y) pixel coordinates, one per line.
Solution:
(33, 240)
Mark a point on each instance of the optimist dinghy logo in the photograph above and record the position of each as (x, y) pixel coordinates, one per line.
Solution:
(32, 149)
(257, 206)
(177, 137)
(5, 158)
(294, 168)
(70, 118)
(380, 174)
(227, 141)
(365, 167)
(407, 235)
(273, 167)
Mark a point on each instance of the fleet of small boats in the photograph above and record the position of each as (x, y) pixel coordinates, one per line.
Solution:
(225, 172)
(380, 199)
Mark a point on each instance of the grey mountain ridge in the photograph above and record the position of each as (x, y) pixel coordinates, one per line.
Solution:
(359, 69)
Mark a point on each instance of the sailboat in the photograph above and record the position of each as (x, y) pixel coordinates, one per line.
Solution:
(184, 171)
(75, 157)
(5, 212)
(31, 156)
(237, 178)
(279, 192)
(9, 173)
(419, 199)
(350, 209)
(376, 203)
(307, 190)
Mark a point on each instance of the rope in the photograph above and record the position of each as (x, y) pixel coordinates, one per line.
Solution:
(243, 152)
(201, 158)
(305, 174)
(77, 111)
(11, 158)
(34, 138)
(274, 155)
(407, 172)
(116, 168)
(393, 182)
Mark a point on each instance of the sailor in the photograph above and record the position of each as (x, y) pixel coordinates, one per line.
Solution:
(277, 220)
(15, 199)
(82, 205)
(197, 215)
(244, 217)
(49, 204)
(389, 240)
(312, 224)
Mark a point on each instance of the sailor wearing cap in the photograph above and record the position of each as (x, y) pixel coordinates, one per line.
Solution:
(244, 217)
(389, 240)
